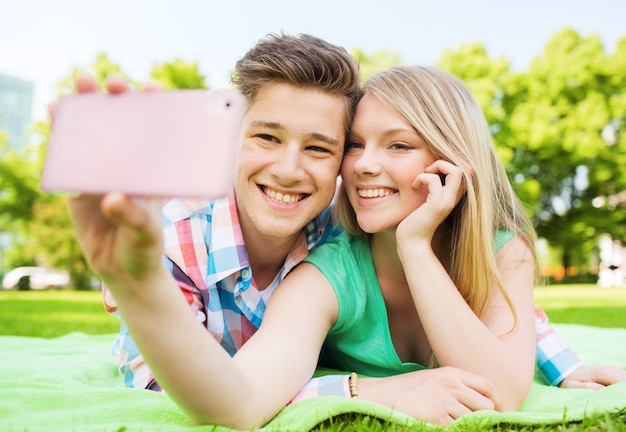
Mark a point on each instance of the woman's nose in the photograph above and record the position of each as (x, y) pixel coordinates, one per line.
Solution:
(368, 163)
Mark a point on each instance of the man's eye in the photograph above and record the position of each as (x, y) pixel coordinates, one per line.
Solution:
(318, 149)
(267, 137)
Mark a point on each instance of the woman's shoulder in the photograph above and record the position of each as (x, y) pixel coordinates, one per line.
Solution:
(342, 260)
(511, 246)
(501, 237)
(344, 243)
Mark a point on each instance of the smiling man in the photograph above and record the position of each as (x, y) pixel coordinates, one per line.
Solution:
(228, 255)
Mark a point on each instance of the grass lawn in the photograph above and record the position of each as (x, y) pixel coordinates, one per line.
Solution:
(54, 313)
(583, 304)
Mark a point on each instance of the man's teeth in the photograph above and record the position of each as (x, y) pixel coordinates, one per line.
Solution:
(281, 197)
(374, 193)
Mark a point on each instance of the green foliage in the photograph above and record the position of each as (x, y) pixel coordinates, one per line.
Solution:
(547, 125)
(369, 64)
(556, 120)
(178, 75)
(482, 75)
(18, 186)
(51, 240)
(41, 232)
(38, 222)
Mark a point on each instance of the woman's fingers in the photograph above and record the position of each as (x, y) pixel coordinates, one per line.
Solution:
(450, 176)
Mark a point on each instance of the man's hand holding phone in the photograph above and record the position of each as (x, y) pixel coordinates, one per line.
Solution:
(121, 152)
(121, 236)
(179, 143)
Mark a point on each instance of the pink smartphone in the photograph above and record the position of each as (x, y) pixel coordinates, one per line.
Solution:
(167, 144)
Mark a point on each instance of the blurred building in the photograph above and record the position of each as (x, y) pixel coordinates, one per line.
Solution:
(16, 102)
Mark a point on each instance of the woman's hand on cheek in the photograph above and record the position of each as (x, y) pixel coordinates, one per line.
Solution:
(443, 186)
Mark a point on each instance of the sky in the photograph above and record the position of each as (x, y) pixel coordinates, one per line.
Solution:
(41, 41)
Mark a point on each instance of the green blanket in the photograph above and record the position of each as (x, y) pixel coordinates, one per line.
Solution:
(71, 384)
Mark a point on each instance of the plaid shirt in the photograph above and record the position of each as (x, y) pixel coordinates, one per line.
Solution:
(555, 360)
(205, 252)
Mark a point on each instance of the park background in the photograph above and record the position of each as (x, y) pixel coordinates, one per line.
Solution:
(556, 106)
(551, 77)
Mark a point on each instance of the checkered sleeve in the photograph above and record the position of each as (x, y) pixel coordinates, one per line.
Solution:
(133, 368)
(555, 359)
(328, 385)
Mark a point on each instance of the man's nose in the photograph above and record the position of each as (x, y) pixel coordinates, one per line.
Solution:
(289, 165)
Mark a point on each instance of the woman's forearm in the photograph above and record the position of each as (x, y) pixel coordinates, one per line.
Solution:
(457, 336)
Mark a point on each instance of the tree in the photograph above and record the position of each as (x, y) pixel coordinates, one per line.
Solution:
(39, 224)
(547, 126)
(484, 77)
(557, 127)
(18, 193)
(178, 75)
(18, 186)
(377, 61)
(555, 116)
(41, 230)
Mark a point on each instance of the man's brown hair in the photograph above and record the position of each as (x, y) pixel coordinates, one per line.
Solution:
(303, 61)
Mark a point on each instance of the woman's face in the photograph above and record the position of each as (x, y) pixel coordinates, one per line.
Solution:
(383, 156)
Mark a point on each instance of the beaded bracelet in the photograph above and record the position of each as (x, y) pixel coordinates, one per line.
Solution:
(354, 385)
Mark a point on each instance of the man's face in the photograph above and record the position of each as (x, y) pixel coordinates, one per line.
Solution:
(292, 147)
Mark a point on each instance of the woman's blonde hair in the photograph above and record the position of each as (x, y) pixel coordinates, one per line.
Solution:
(447, 117)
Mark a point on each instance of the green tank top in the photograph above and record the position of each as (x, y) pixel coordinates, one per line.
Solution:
(360, 340)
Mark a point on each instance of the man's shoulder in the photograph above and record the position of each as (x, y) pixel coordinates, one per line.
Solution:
(326, 226)
(202, 234)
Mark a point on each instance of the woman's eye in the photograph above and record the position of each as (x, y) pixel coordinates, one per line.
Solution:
(400, 146)
(353, 145)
